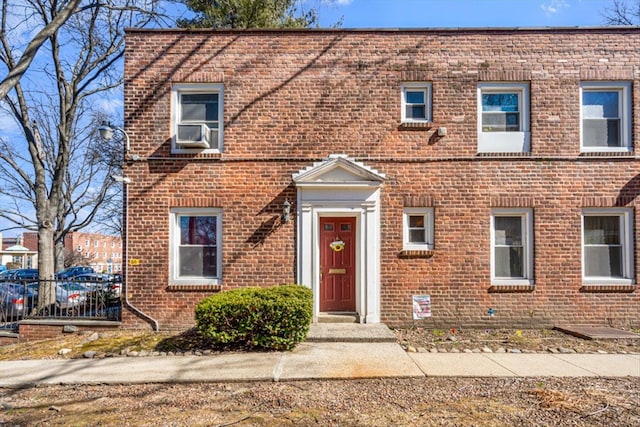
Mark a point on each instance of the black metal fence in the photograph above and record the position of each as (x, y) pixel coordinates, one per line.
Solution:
(93, 298)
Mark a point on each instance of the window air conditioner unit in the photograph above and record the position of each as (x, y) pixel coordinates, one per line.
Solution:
(193, 136)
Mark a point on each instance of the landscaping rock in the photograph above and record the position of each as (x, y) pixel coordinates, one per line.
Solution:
(69, 329)
(64, 351)
(93, 337)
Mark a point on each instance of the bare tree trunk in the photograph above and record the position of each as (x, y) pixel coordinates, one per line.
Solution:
(59, 258)
(47, 288)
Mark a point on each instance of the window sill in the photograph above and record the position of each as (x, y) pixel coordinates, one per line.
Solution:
(415, 253)
(211, 287)
(195, 153)
(512, 288)
(621, 153)
(416, 125)
(505, 154)
(610, 288)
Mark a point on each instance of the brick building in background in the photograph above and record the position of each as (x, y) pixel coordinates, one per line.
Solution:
(491, 173)
(102, 252)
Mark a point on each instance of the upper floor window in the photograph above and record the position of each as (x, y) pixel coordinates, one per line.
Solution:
(605, 116)
(418, 229)
(196, 245)
(416, 102)
(607, 246)
(511, 246)
(197, 117)
(503, 117)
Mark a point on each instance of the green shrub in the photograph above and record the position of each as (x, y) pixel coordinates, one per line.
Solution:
(275, 318)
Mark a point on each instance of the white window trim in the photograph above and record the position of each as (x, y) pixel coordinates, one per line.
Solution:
(181, 88)
(527, 233)
(174, 237)
(413, 86)
(428, 223)
(625, 106)
(505, 142)
(626, 232)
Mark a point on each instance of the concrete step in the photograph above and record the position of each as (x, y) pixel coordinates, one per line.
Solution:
(350, 332)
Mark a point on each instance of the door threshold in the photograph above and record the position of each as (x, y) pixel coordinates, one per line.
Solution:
(338, 317)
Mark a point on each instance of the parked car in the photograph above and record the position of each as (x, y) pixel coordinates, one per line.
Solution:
(69, 295)
(26, 274)
(6, 275)
(19, 275)
(70, 272)
(15, 300)
(105, 282)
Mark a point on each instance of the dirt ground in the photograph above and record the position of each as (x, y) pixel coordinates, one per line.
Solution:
(378, 402)
(398, 402)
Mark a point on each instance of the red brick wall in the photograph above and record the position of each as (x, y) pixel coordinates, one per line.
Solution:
(41, 331)
(294, 97)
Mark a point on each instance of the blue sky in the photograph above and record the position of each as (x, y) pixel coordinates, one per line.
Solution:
(462, 13)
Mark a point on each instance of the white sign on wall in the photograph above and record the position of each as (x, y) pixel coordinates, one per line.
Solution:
(421, 306)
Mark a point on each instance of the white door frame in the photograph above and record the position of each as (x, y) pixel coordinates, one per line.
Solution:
(340, 186)
(367, 254)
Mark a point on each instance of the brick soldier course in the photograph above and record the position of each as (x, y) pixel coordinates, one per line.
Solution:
(292, 99)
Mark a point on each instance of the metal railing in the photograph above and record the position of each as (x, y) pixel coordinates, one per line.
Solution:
(59, 298)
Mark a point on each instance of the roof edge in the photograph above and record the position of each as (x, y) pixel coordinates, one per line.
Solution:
(389, 30)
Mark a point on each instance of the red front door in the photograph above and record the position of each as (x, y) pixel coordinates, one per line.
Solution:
(337, 264)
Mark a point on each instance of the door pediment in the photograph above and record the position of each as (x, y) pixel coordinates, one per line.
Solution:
(338, 170)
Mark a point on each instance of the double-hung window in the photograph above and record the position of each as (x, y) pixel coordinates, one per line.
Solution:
(503, 117)
(607, 246)
(416, 103)
(418, 229)
(196, 245)
(605, 116)
(512, 246)
(197, 117)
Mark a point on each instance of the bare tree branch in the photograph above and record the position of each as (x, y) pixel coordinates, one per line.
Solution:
(623, 12)
(18, 68)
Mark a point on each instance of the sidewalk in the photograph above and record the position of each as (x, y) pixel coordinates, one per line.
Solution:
(315, 359)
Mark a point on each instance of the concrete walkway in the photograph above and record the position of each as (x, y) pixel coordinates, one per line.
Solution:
(317, 358)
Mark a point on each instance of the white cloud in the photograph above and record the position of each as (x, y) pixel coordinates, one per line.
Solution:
(337, 2)
(552, 7)
(111, 106)
(8, 124)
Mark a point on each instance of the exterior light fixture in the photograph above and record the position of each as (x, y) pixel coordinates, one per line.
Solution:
(106, 130)
(121, 179)
(286, 211)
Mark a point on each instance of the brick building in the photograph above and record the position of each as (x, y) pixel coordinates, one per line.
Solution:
(102, 252)
(490, 172)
